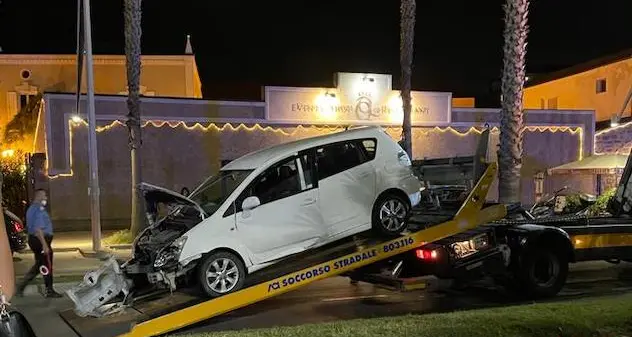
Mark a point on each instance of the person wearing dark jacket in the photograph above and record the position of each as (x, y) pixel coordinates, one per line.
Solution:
(40, 230)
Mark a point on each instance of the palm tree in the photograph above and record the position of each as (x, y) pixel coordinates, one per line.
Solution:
(406, 48)
(512, 84)
(133, 32)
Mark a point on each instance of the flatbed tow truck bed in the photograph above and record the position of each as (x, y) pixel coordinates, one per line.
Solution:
(512, 244)
(593, 238)
(154, 317)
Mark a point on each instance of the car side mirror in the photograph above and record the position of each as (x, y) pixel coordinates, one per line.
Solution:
(250, 203)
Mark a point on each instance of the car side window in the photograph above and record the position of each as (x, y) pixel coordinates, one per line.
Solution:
(278, 182)
(335, 158)
(309, 174)
(368, 147)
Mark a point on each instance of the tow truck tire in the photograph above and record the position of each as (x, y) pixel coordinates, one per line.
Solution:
(225, 266)
(390, 202)
(542, 273)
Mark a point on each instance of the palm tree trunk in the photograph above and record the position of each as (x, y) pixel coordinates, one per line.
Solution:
(511, 116)
(133, 34)
(406, 48)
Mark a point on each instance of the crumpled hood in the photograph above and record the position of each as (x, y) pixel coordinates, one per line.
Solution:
(155, 194)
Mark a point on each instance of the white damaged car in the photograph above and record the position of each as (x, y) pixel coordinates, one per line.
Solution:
(262, 208)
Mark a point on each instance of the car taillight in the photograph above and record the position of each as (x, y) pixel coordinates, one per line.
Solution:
(18, 226)
(427, 254)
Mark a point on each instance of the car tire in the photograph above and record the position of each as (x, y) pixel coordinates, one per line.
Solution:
(390, 215)
(221, 273)
(542, 273)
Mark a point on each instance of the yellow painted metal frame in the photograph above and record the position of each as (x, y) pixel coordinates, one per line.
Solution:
(469, 216)
(608, 240)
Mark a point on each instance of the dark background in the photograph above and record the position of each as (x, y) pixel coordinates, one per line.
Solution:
(241, 45)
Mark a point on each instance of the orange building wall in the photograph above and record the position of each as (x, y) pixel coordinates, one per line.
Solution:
(579, 91)
(168, 76)
(463, 102)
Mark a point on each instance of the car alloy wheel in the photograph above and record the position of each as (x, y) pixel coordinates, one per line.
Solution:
(222, 275)
(392, 215)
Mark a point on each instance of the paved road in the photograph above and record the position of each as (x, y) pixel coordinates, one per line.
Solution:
(335, 299)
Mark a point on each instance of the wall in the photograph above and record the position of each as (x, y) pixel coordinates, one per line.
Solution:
(579, 91)
(178, 157)
(170, 76)
(616, 140)
(180, 154)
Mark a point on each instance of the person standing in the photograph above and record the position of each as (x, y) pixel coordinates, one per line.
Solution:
(40, 230)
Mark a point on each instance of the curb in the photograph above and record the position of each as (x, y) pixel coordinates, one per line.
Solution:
(121, 246)
(77, 249)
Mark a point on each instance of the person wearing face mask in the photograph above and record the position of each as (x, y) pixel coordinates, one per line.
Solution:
(40, 230)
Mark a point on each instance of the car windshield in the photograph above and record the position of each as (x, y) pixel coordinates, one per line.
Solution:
(212, 193)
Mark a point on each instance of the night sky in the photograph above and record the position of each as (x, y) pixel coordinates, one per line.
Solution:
(242, 45)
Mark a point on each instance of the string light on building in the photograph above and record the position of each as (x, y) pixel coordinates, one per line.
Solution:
(212, 127)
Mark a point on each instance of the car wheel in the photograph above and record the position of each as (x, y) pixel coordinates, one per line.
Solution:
(542, 274)
(221, 273)
(390, 215)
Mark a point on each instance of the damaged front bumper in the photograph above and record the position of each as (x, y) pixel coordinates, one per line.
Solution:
(93, 295)
(111, 288)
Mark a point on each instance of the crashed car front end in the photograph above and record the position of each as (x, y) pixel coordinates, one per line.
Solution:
(155, 256)
(154, 264)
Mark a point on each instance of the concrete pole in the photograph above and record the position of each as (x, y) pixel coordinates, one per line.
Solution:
(93, 190)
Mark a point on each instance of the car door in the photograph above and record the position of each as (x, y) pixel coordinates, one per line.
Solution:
(347, 180)
(288, 219)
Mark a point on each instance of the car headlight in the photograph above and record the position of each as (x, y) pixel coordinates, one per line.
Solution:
(170, 253)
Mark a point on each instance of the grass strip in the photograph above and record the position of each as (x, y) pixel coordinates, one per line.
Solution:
(596, 317)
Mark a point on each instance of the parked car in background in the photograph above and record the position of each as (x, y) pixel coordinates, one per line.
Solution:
(16, 231)
(273, 203)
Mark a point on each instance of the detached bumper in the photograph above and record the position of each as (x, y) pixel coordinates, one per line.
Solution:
(92, 296)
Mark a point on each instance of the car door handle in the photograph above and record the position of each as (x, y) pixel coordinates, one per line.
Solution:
(308, 201)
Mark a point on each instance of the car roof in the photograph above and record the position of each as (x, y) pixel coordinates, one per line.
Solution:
(256, 159)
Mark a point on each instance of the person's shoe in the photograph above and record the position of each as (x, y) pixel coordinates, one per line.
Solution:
(19, 291)
(51, 293)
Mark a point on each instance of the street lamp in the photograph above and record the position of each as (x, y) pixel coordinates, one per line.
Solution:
(93, 190)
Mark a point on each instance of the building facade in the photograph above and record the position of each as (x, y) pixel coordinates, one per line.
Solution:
(22, 77)
(186, 140)
(600, 85)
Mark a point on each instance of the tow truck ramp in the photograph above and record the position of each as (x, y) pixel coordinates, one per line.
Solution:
(176, 311)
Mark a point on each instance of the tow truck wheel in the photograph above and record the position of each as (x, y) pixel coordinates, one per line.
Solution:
(221, 273)
(390, 214)
(543, 272)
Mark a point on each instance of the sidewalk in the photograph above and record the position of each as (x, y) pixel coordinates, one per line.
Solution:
(42, 314)
(80, 241)
(72, 260)
(73, 257)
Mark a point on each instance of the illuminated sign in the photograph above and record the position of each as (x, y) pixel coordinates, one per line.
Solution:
(357, 99)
